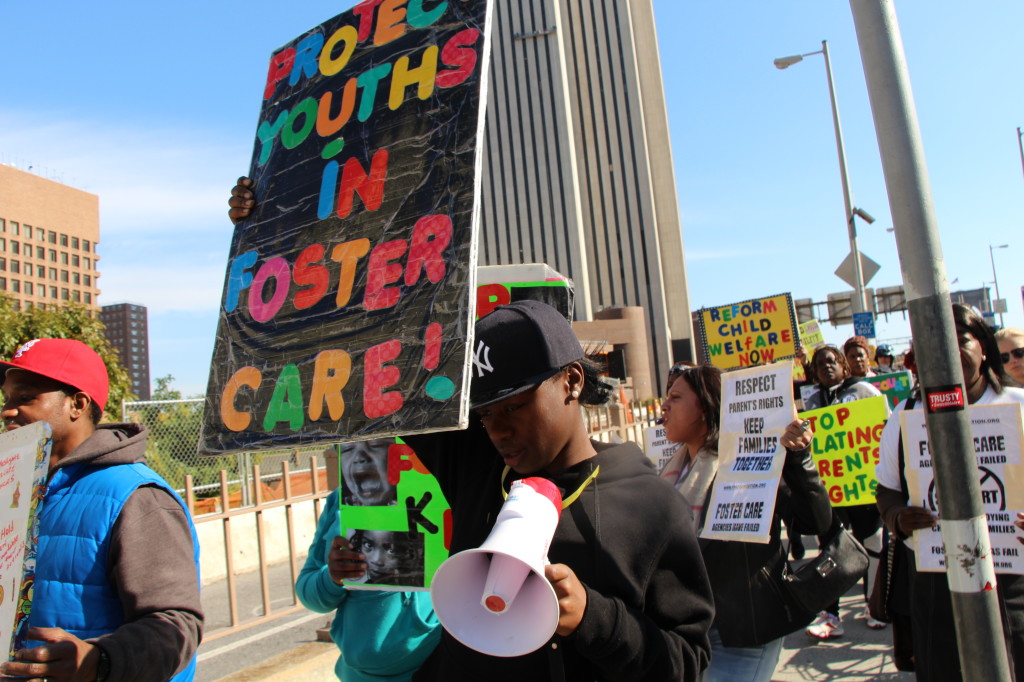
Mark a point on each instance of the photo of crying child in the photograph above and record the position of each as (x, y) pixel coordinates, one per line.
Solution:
(364, 473)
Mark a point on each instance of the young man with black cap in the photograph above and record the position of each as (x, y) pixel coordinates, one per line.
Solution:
(634, 598)
(117, 577)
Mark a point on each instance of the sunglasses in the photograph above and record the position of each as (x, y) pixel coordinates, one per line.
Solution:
(1018, 353)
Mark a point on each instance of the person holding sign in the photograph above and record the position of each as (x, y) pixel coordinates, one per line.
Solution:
(633, 595)
(836, 384)
(117, 572)
(745, 645)
(935, 654)
(382, 636)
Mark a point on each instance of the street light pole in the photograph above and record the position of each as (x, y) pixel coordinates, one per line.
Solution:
(995, 280)
(859, 302)
(1020, 145)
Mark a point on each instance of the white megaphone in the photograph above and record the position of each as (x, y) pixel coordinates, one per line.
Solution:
(495, 599)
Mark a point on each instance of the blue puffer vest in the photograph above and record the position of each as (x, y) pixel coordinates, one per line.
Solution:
(81, 506)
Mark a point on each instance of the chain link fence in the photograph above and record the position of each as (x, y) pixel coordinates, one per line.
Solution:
(171, 449)
(174, 434)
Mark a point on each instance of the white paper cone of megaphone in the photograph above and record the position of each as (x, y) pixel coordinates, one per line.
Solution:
(495, 599)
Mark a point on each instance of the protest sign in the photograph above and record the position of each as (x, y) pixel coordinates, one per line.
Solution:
(996, 431)
(757, 405)
(349, 293)
(811, 336)
(845, 448)
(392, 510)
(748, 333)
(895, 387)
(658, 448)
(503, 284)
(24, 466)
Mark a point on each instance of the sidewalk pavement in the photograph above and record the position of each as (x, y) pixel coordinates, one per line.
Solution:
(860, 655)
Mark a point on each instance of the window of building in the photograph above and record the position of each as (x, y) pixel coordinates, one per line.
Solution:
(75, 278)
(75, 261)
(28, 289)
(64, 275)
(40, 234)
(63, 240)
(87, 262)
(40, 253)
(74, 242)
(16, 267)
(53, 255)
(76, 296)
(88, 280)
(3, 264)
(42, 291)
(3, 284)
(63, 258)
(3, 225)
(16, 286)
(15, 247)
(40, 272)
(3, 244)
(53, 274)
(52, 237)
(65, 294)
(53, 292)
(85, 245)
(15, 229)
(88, 298)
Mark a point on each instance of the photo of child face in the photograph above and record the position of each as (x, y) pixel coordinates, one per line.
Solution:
(392, 557)
(364, 471)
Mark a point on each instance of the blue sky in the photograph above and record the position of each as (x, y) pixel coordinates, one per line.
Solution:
(153, 107)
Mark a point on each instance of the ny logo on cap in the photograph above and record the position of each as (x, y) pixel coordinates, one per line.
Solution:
(484, 362)
(25, 347)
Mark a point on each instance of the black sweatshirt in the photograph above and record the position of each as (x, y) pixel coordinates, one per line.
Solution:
(628, 538)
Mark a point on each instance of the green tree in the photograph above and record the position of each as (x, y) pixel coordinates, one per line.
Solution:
(72, 321)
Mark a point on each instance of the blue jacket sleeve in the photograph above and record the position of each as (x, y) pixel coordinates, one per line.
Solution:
(315, 589)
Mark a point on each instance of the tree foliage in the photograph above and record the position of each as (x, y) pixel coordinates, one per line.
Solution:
(72, 321)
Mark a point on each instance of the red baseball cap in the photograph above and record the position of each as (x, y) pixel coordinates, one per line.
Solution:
(67, 361)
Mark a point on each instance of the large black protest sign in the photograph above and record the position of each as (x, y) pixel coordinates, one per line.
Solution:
(348, 297)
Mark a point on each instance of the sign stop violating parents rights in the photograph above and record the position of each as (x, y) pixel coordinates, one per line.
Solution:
(349, 294)
(757, 405)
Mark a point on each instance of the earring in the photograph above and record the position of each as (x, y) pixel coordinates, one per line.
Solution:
(575, 394)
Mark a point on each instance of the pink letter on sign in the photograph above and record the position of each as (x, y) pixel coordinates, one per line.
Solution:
(277, 268)
(378, 376)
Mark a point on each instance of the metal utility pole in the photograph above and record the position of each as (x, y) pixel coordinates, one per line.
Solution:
(964, 528)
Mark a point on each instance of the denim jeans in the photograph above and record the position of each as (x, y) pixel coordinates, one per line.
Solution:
(742, 664)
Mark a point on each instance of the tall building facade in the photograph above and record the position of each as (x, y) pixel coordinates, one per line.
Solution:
(578, 166)
(127, 329)
(49, 235)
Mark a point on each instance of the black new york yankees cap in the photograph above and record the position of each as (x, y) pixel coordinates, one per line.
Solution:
(518, 346)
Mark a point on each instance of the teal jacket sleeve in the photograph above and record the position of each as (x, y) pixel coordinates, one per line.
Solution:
(315, 589)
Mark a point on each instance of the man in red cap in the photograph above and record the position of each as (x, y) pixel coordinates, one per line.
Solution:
(117, 579)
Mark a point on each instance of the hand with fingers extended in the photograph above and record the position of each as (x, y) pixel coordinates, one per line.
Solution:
(572, 598)
(343, 562)
(242, 200)
(64, 658)
(910, 519)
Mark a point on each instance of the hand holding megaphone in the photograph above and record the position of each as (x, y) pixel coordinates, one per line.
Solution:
(498, 599)
(572, 598)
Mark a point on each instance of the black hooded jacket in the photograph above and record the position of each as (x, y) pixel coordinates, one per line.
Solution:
(628, 538)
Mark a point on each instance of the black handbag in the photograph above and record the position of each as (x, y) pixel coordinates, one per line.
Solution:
(880, 600)
(823, 580)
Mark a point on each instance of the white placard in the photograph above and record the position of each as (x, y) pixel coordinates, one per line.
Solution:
(757, 405)
(996, 430)
(658, 448)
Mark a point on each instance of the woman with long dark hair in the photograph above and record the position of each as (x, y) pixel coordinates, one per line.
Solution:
(745, 642)
(935, 654)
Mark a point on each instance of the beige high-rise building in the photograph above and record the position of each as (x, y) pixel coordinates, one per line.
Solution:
(48, 238)
(578, 167)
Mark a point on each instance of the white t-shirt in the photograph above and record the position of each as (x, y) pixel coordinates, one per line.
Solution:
(887, 470)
